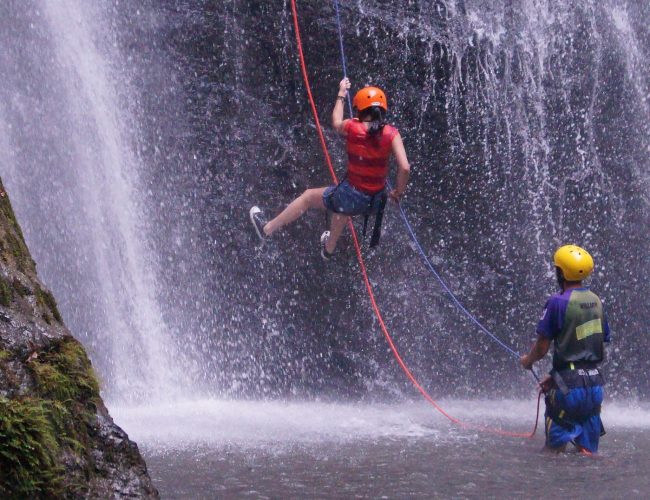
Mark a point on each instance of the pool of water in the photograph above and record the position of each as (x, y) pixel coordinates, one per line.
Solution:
(222, 449)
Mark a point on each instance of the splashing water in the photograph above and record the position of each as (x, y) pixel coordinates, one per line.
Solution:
(138, 135)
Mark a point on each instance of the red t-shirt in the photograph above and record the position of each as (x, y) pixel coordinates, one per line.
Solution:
(368, 156)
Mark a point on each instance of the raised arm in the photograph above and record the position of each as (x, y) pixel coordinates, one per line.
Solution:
(403, 168)
(337, 113)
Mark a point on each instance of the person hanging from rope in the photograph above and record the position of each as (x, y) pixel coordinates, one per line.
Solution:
(574, 321)
(370, 144)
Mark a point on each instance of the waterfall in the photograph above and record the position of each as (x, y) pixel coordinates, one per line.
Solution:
(73, 175)
(138, 136)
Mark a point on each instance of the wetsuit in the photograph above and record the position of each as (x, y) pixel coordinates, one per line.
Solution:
(574, 320)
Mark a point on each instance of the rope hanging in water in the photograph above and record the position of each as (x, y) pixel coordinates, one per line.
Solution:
(362, 265)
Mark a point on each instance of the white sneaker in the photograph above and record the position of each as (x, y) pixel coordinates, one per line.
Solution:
(323, 251)
(258, 220)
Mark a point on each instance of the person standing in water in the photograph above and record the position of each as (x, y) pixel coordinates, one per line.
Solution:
(370, 144)
(574, 321)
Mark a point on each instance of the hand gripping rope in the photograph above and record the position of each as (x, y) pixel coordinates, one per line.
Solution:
(360, 259)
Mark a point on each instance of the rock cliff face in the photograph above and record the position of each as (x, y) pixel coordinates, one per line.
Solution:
(57, 438)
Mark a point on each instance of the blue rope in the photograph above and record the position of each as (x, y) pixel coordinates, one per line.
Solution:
(446, 287)
(412, 232)
(451, 294)
(345, 69)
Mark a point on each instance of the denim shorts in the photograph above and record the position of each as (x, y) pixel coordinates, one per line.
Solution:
(344, 199)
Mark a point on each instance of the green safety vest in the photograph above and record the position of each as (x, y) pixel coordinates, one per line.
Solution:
(581, 340)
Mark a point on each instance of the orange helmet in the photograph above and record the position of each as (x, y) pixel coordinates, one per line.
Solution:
(370, 96)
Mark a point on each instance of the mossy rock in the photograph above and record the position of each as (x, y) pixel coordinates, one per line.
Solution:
(36, 432)
(7, 209)
(46, 299)
(13, 246)
(6, 292)
(64, 373)
(29, 450)
(8, 379)
(12, 242)
(21, 289)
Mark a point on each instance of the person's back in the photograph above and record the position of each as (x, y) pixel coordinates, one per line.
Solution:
(580, 334)
(368, 156)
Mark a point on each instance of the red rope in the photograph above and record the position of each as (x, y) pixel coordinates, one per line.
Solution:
(364, 272)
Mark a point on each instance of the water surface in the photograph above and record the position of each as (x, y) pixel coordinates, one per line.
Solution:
(223, 449)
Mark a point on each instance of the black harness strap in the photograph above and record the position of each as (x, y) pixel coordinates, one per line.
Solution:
(379, 217)
(559, 381)
(570, 379)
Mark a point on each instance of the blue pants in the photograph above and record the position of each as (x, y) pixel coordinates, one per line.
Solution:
(572, 417)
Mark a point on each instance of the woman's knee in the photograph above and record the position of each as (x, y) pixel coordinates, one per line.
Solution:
(313, 197)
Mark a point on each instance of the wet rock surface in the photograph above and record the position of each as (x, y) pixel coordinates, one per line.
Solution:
(57, 438)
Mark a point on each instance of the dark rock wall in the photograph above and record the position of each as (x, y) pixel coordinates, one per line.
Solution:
(526, 127)
(57, 438)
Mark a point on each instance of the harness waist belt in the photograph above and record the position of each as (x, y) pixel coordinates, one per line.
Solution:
(571, 379)
(572, 365)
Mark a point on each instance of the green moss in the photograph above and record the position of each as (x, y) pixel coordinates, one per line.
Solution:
(17, 248)
(65, 373)
(35, 433)
(12, 241)
(8, 211)
(65, 376)
(46, 299)
(6, 293)
(4, 355)
(29, 449)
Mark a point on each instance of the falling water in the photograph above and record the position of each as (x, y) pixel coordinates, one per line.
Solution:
(138, 136)
(73, 174)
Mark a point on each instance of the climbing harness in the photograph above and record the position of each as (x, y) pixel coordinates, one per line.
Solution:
(360, 259)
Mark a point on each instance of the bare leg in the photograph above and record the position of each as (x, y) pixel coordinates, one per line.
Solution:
(336, 228)
(311, 198)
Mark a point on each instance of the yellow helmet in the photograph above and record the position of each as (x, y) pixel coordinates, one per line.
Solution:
(575, 262)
